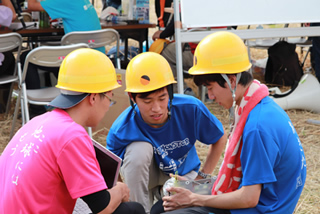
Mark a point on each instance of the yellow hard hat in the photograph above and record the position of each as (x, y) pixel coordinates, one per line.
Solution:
(220, 53)
(158, 45)
(147, 72)
(87, 70)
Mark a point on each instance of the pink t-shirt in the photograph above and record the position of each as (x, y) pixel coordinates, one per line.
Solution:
(47, 165)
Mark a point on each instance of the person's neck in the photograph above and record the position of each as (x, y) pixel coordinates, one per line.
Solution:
(77, 115)
(241, 90)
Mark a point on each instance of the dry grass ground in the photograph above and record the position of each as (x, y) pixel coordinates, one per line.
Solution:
(308, 133)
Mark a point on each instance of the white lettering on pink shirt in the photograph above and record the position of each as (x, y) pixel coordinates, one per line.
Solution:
(27, 150)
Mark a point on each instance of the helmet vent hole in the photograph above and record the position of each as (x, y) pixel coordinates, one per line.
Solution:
(145, 80)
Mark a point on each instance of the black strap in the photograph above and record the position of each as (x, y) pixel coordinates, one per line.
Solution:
(97, 201)
(18, 11)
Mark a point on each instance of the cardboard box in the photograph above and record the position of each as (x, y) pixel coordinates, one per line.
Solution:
(122, 99)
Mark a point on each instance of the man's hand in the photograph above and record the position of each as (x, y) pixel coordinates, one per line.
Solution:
(156, 35)
(118, 194)
(178, 177)
(125, 192)
(180, 199)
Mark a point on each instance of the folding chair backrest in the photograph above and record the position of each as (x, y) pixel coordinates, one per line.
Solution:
(95, 38)
(10, 41)
(49, 56)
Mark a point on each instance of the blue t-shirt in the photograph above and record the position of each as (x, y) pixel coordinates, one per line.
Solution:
(77, 15)
(272, 155)
(173, 143)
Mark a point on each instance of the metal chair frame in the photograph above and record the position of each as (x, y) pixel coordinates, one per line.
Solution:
(11, 42)
(95, 39)
(48, 56)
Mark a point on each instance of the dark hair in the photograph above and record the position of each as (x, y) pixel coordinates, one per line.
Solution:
(145, 94)
(199, 80)
(102, 96)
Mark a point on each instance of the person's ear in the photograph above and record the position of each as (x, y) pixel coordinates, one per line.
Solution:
(130, 96)
(233, 80)
(92, 98)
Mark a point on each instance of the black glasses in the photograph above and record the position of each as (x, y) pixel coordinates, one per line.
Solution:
(112, 102)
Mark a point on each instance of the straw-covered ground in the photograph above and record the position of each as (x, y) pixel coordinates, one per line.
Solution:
(309, 135)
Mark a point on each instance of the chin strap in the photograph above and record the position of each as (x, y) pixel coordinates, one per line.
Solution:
(233, 91)
(170, 91)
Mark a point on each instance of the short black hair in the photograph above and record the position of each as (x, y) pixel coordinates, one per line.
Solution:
(199, 80)
(102, 96)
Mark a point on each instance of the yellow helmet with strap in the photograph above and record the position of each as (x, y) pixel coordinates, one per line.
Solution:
(220, 53)
(147, 72)
(87, 70)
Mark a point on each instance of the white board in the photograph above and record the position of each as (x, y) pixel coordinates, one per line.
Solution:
(206, 13)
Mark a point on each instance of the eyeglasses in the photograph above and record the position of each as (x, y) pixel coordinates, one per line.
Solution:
(112, 102)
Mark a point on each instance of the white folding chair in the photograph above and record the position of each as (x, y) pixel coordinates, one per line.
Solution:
(48, 56)
(95, 39)
(10, 42)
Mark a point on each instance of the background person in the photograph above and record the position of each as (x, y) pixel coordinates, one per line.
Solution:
(111, 3)
(315, 53)
(7, 60)
(156, 136)
(77, 15)
(264, 167)
(169, 50)
(50, 162)
(7, 17)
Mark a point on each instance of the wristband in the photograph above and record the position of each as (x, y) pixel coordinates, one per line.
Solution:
(204, 175)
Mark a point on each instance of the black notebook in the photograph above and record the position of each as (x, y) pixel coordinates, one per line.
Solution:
(110, 168)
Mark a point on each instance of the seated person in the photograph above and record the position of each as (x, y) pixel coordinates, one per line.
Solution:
(77, 15)
(264, 166)
(50, 162)
(169, 51)
(111, 3)
(315, 53)
(156, 136)
(163, 17)
(7, 60)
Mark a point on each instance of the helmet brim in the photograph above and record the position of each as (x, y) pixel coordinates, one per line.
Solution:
(65, 101)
